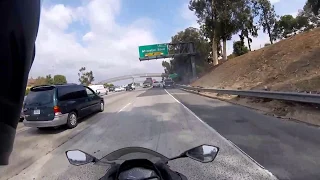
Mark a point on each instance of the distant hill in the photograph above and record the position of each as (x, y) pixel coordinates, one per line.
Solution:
(292, 64)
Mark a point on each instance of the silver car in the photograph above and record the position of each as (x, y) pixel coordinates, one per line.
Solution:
(156, 84)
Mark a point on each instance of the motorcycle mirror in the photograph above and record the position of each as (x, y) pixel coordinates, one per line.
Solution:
(203, 153)
(77, 157)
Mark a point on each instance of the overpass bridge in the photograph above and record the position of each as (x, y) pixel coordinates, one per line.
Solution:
(133, 76)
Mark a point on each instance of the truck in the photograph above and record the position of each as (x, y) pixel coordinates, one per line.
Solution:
(168, 83)
(147, 83)
(99, 89)
(130, 87)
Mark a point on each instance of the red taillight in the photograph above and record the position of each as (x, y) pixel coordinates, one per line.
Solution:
(56, 110)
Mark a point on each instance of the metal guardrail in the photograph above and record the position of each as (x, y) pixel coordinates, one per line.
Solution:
(287, 96)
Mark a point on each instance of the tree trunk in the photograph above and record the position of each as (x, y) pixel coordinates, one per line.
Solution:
(219, 51)
(249, 45)
(268, 28)
(214, 52)
(270, 38)
(214, 44)
(225, 49)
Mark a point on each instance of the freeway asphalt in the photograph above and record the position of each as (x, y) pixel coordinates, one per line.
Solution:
(290, 150)
(147, 118)
(31, 144)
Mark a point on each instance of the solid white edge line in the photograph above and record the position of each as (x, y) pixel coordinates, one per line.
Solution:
(124, 107)
(251, 158)
(245, 155)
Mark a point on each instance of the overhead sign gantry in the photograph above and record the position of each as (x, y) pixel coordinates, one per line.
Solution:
(168, 50)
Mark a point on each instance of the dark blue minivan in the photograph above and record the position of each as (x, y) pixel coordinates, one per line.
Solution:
(55, 105)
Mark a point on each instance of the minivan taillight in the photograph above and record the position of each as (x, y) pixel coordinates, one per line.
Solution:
(56, 110)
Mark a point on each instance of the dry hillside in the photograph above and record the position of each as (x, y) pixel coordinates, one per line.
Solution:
(289, 65)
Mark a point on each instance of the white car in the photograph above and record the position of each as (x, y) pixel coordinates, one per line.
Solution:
(117, 89)
(156, 84)
(99, 89)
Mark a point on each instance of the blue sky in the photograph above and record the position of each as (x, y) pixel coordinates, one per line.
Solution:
(164, 17)
(104, 35)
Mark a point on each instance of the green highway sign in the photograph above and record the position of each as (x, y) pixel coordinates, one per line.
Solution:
(153, 50)
(174, 75)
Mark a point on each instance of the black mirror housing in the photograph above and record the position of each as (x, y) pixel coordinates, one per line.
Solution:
(204, 153)
(77, 157)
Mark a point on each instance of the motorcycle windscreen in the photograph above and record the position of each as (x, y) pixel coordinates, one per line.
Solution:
(134, 153)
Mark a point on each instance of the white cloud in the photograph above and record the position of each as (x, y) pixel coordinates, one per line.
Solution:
(107, 48)
(88, 36)
(294, 14)
(59, 15)
(189, 16)
(274, 1)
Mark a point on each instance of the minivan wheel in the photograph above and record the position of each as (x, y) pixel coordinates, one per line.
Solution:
(72, 120)
(101, 107)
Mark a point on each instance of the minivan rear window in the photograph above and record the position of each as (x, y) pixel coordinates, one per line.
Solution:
(39, 97)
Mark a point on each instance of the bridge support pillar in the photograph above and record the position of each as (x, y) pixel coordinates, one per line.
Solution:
(193, 63)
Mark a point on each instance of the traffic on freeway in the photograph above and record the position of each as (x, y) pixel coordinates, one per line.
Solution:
(150, 118)
(169, 121)
(87, 94)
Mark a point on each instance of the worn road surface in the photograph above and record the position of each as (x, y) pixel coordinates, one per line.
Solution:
(156, 119)
(288, 149)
